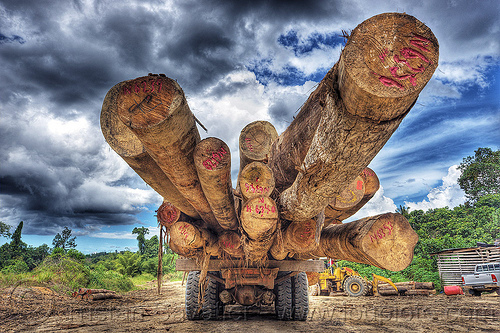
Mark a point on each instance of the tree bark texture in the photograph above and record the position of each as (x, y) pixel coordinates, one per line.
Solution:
(213, 163)
(126, 144)
(362, 103)
(156, 110)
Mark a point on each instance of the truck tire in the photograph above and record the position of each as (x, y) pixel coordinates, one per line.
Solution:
(474, 292)
(355, 286)
(192, 290)
(300, 300)
(283, 302)
(212, 308)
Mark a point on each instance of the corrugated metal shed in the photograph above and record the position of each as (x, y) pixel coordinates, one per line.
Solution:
(452, 263)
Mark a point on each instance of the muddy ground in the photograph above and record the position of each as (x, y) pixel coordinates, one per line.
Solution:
(39, 309)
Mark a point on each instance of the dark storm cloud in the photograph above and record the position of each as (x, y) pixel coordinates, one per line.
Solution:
(59, 59)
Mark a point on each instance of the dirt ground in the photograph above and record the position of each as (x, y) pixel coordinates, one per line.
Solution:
(39, 309)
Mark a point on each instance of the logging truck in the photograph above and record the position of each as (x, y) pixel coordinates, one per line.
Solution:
(252, 244)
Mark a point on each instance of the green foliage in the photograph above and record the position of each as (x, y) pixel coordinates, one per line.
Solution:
(15, 267)
(128, 263)
(140, 238)
(151, 247)
(75, 254)
(4, 230)
(480, 174)
(64, 240)
(102, 278)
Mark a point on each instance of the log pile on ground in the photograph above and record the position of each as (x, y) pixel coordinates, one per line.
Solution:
(294, 190)
(95, 294)
(408, 288)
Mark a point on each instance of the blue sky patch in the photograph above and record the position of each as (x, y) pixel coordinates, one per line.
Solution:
(316, 40)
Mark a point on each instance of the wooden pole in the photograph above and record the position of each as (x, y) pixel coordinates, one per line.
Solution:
(255, 180)
(213, 164)
(156, 110)
(126, 144)
(386, 241)
(386, 62)
(159, 273)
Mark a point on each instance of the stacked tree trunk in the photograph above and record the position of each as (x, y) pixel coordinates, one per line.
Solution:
(409, 288)
(95, 294)
(293, 190)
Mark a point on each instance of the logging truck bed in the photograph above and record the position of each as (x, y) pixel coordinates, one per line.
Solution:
(38, 309)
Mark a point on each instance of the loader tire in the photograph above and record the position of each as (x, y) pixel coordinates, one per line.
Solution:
(300, 301)
(283, 301)
(212, 308)
(355, 286)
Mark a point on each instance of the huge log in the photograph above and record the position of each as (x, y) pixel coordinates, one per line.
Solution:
(259, 216)
(126, 144)
(334, 215)
(156, 110)
(230, 242)
(386, 241)
(387, 61)
(259, 219)
(213, 163)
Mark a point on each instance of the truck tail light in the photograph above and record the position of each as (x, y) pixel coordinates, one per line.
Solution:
(463, 280)
(494, 278)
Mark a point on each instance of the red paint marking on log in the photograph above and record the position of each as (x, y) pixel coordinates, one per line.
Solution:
(359, 185)
(249, 144)
(379, 233)
(384, 54)
(212, 162)
(388, 82)
(367, 172)
(149, 85)
(410, 53)
(408, 77)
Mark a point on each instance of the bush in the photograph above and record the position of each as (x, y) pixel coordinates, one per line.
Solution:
(15, 267)
(101, 278)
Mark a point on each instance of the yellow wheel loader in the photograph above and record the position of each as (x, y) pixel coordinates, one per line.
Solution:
(335, 280)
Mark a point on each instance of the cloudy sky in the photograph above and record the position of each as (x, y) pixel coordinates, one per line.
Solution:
(237, 61)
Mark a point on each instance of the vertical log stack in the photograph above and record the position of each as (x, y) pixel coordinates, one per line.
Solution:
(293, 190)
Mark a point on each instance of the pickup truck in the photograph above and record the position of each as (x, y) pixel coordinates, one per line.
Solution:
(486, 277)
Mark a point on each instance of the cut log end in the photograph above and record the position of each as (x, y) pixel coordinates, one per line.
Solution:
(259, 216)
(390, 242)
(256, 140)
(149, 100)
(167, 214)
(389, 56)
(386, 241)
(255, 180)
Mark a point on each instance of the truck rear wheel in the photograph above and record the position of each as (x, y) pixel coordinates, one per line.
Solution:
(212, 308)
(300, 301)
(283, 301)
(355, 286)
(292, 298)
